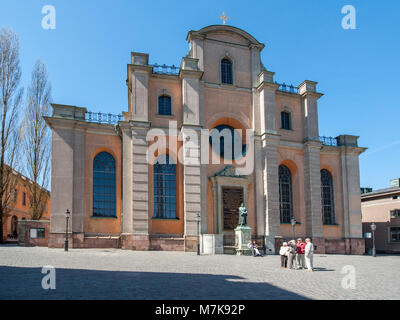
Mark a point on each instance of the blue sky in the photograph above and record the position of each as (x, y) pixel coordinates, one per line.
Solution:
(357, 70)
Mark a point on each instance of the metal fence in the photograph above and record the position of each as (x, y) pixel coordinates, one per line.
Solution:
(286, 87)
(99, 117)
(164, 69)
(329, 141)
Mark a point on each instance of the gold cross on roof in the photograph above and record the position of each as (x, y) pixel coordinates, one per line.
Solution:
(224, 18)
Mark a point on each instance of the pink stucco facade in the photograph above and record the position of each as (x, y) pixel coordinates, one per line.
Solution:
(201, 100)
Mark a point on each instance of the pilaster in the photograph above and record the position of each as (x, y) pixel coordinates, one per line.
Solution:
(193, 171)
(267, 102)
(266, 159)
(350, 172)
(127, 178)
(312, 188)
(310, 96)
(67, 174)
(271, 190)
(140, 185)
(311, 158)
(192, 180)
(138, 77)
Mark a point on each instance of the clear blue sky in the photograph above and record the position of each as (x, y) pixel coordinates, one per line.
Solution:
(357, 70)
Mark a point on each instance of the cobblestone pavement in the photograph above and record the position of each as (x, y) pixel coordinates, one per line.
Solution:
(120, 274)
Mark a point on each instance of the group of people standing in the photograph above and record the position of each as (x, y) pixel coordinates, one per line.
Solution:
(297, 255)
(294, 255)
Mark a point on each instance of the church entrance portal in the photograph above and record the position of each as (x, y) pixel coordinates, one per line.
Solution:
(232, 199)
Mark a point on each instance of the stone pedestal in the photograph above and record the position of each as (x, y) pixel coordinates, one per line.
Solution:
(212, 244)
(242, 238)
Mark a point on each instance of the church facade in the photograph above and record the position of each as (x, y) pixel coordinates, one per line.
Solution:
(154, 179)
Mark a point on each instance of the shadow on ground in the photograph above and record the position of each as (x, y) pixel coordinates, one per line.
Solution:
(25, 283)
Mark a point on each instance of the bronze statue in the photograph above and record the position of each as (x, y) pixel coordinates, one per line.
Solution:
(242, 215)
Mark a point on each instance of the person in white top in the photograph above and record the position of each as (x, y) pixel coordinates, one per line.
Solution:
(284, 251)
(308, 254)
(251, 247)
(256, 251)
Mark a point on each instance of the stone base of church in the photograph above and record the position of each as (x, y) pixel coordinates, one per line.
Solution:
(319, 245)
(191, 243)
(167, 243)
(210, 243)
(57, 240)
(139, 242)
(80, 241)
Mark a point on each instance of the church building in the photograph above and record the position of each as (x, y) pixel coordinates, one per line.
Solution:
(124, 193)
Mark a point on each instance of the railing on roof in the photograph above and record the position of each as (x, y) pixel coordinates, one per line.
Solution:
(328, 141)
(106, 118)
(164, 69)
(286, 87)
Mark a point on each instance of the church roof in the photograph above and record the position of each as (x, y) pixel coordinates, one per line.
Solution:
(221, 27)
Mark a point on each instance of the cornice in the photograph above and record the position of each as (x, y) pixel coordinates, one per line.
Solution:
(196, 74)
(79, 125)
(140, 68)
(270, 85)
(312, 94)
(352, 150)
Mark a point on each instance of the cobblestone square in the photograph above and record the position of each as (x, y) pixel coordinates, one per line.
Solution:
(124, 274)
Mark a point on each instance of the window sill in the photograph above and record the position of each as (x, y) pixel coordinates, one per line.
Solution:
(101, 217)
(164, 115)
(168, 219)
(331, 225)
(297, 223)
(286, 129)
(228, 86)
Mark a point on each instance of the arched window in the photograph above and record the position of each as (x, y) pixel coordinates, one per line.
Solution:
(286, 120)
(164, 105)
(328, 213)
(285, 194)
(164, 188)
(235, 143)
(226, 71)
(104, 185)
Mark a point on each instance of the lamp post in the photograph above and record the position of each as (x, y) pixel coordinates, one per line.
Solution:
(198, 234)
(373, 228)
(67, 213)
(293, 222)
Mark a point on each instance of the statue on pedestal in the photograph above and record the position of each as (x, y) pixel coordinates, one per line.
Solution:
(242, 215)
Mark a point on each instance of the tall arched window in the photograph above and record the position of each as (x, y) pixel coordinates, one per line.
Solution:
(164, 105)
(285, 194)
(286, 121)
(104, 185)
(226, 71)
(328, 212)
(164, 188)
